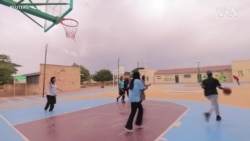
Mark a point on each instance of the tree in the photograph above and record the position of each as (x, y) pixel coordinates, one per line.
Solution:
(85, 75)
(102, 76)
(127, 73)
(7, 69)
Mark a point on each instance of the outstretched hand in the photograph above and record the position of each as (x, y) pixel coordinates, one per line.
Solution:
(59, 89)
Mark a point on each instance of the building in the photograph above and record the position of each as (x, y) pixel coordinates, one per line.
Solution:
(190, 75)
(241, 69)
(149, 75)
(67, 79)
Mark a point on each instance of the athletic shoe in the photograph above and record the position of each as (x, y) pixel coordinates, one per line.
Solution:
(138, 126)
(207, 116)
(128, 130)
(218, 118)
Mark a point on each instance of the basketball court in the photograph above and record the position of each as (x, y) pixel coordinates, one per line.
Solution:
(171, 112)
(95, 115)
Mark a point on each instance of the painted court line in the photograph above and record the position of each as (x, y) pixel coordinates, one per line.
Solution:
(158, 105)
(21, 98)
(187, 91)
(10, 125)
(170, 127)
(53, 115)
(121, 133)
(74, 111)
(163, 139)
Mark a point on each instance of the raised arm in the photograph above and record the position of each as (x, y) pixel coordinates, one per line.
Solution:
(59, 89)
(145, 86)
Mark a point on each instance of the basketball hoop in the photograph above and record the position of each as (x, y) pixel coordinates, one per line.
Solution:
(70, 27)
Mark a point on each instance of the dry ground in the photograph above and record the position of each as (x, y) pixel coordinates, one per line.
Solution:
(240, 96)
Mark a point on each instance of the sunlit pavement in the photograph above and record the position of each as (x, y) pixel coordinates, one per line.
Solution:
(23, 118)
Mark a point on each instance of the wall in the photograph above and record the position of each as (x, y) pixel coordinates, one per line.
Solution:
(192, 79)
(149, 75)
(34, 89)
(164, 79)
(8, 90)
(67, 77)
(242, 70)
(222, 76)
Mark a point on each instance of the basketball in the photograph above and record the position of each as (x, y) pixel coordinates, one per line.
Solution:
(227, 91)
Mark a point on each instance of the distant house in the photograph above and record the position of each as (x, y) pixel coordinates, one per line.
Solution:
(149, 75)
(190, 75)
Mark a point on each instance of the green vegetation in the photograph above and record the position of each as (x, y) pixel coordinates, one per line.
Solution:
(102, 76)
(7, 69)
(85, 75)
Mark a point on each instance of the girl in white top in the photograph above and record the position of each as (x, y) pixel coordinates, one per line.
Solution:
(51, 95)
(52, 89)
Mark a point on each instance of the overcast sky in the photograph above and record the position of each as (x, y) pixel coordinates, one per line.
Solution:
(163, 34)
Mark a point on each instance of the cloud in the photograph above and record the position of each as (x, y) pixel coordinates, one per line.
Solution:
(72, 53)
(178, 35)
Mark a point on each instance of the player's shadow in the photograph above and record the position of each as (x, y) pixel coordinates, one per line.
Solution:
(213, 131)
(123, 108)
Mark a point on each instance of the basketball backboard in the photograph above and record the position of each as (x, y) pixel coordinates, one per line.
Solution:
(52, 11)
(59, 11)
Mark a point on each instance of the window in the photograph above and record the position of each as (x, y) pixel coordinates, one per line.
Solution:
(187, 76)
(33, 79)
(158, 77)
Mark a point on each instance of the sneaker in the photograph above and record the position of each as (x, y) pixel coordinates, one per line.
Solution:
(123, 102)
(128, 130)
(207, 116)
(117, 99)
(138, 126)
(218, 118)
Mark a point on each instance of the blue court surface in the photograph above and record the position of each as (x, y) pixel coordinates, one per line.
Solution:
(190, 126)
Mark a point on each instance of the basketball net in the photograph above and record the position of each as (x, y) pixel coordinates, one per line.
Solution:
(70, 27)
